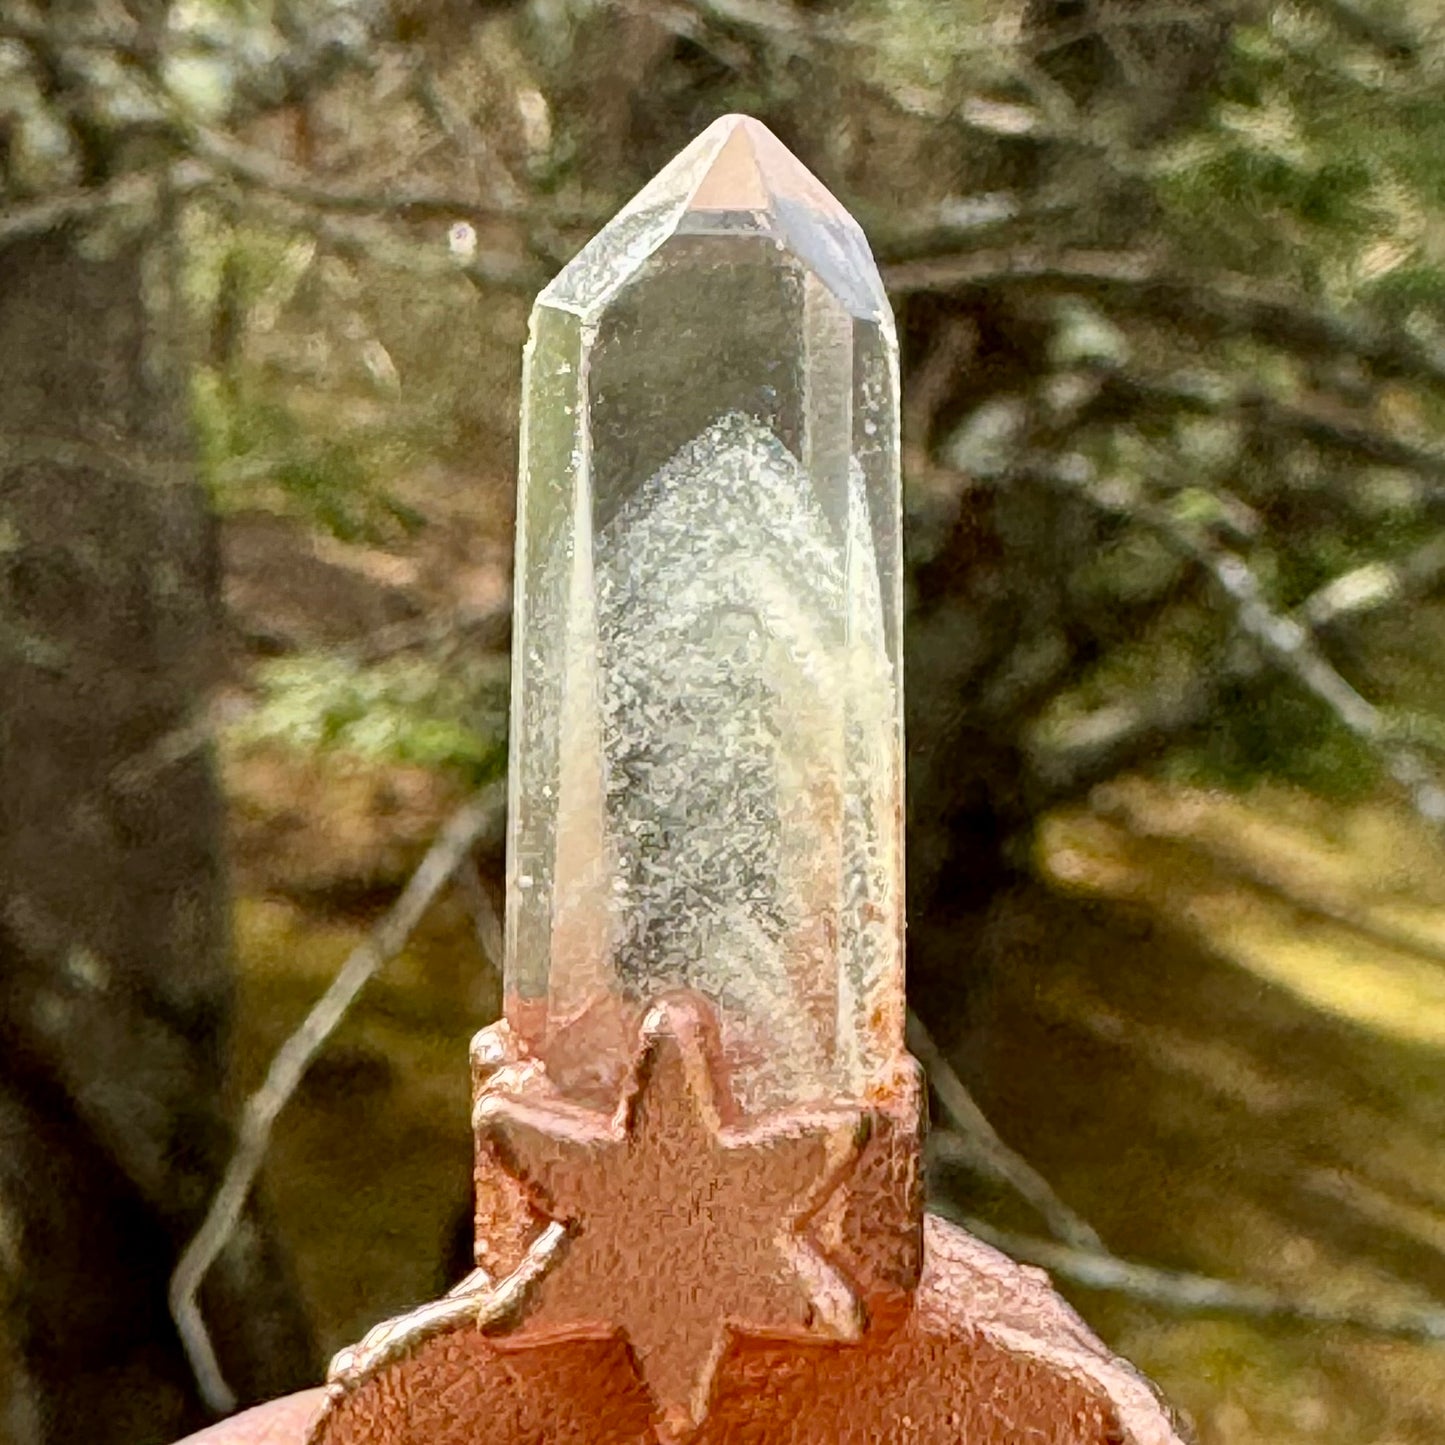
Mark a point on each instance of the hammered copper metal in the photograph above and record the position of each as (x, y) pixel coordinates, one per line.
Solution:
(677, 1273)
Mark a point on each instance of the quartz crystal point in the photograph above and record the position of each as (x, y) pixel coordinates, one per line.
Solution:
(706, 764)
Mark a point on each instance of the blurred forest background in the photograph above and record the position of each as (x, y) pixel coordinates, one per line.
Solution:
(1170, 278)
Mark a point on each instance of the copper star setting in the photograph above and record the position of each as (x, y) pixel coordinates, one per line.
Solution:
(673, 1169)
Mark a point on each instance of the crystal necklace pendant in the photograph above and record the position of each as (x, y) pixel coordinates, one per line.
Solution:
(706, 744)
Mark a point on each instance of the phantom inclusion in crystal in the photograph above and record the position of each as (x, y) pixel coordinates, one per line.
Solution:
(706, 766)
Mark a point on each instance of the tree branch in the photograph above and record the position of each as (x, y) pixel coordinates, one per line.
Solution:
(306, 60)
(486, 920)
(1293, 648)
(476, 818)
(131, 43)
(1352, 437)
(1146, 283)
(1114, 738)
(23, 219)
(489, 174)
(374, 240)
(1369, 27)
(270, 173)
(987, 1150)
(1201, 1294)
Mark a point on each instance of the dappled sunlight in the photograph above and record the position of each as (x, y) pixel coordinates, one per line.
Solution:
(1219, 1035)
(1359, 981)
(1158, 346)
(1315, 909)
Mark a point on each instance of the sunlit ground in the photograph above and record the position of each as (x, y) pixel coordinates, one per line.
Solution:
(1251, 1087)
(1255, 1089)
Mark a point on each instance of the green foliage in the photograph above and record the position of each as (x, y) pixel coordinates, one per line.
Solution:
(298, 403)
(1315, 161)
(1277, 730)
(257, 450)
(1306, 165)
(1135, 567)
(404, 710)
(1409, 289)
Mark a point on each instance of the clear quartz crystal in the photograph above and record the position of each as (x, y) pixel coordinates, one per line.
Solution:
(706, 762)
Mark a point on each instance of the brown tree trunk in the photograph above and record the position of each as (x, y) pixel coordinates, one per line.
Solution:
(116, 990)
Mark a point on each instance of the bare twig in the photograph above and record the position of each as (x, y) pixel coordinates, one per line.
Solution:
(483, 630)
(365, 223)
(688, 22)
(989, 1151)
(192, 735)
(477, 817)
(1350, 436)
(476, 1300)
(1114, 738)
(308, 61)
(376, 241)
(1368, 26)
(1201, 1294)
(784, 27)
(489, 174)
(1374, 585)
(1287, 640)
(131, 42)
(1293, 648)
(45, 213)
(271, 173)
(1148, 283)
(486, 922)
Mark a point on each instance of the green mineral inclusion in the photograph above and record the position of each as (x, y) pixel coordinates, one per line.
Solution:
(706, 764)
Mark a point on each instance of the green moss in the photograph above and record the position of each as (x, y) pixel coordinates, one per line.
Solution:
(403, 710)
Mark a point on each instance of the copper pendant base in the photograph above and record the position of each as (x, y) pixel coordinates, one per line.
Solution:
(671, 1273)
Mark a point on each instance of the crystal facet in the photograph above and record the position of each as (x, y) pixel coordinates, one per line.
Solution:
(706, 746)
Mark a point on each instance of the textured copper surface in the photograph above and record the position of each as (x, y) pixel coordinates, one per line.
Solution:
(872, 1224)
(985, 1353)
(682, 1219)
(683, 1265)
